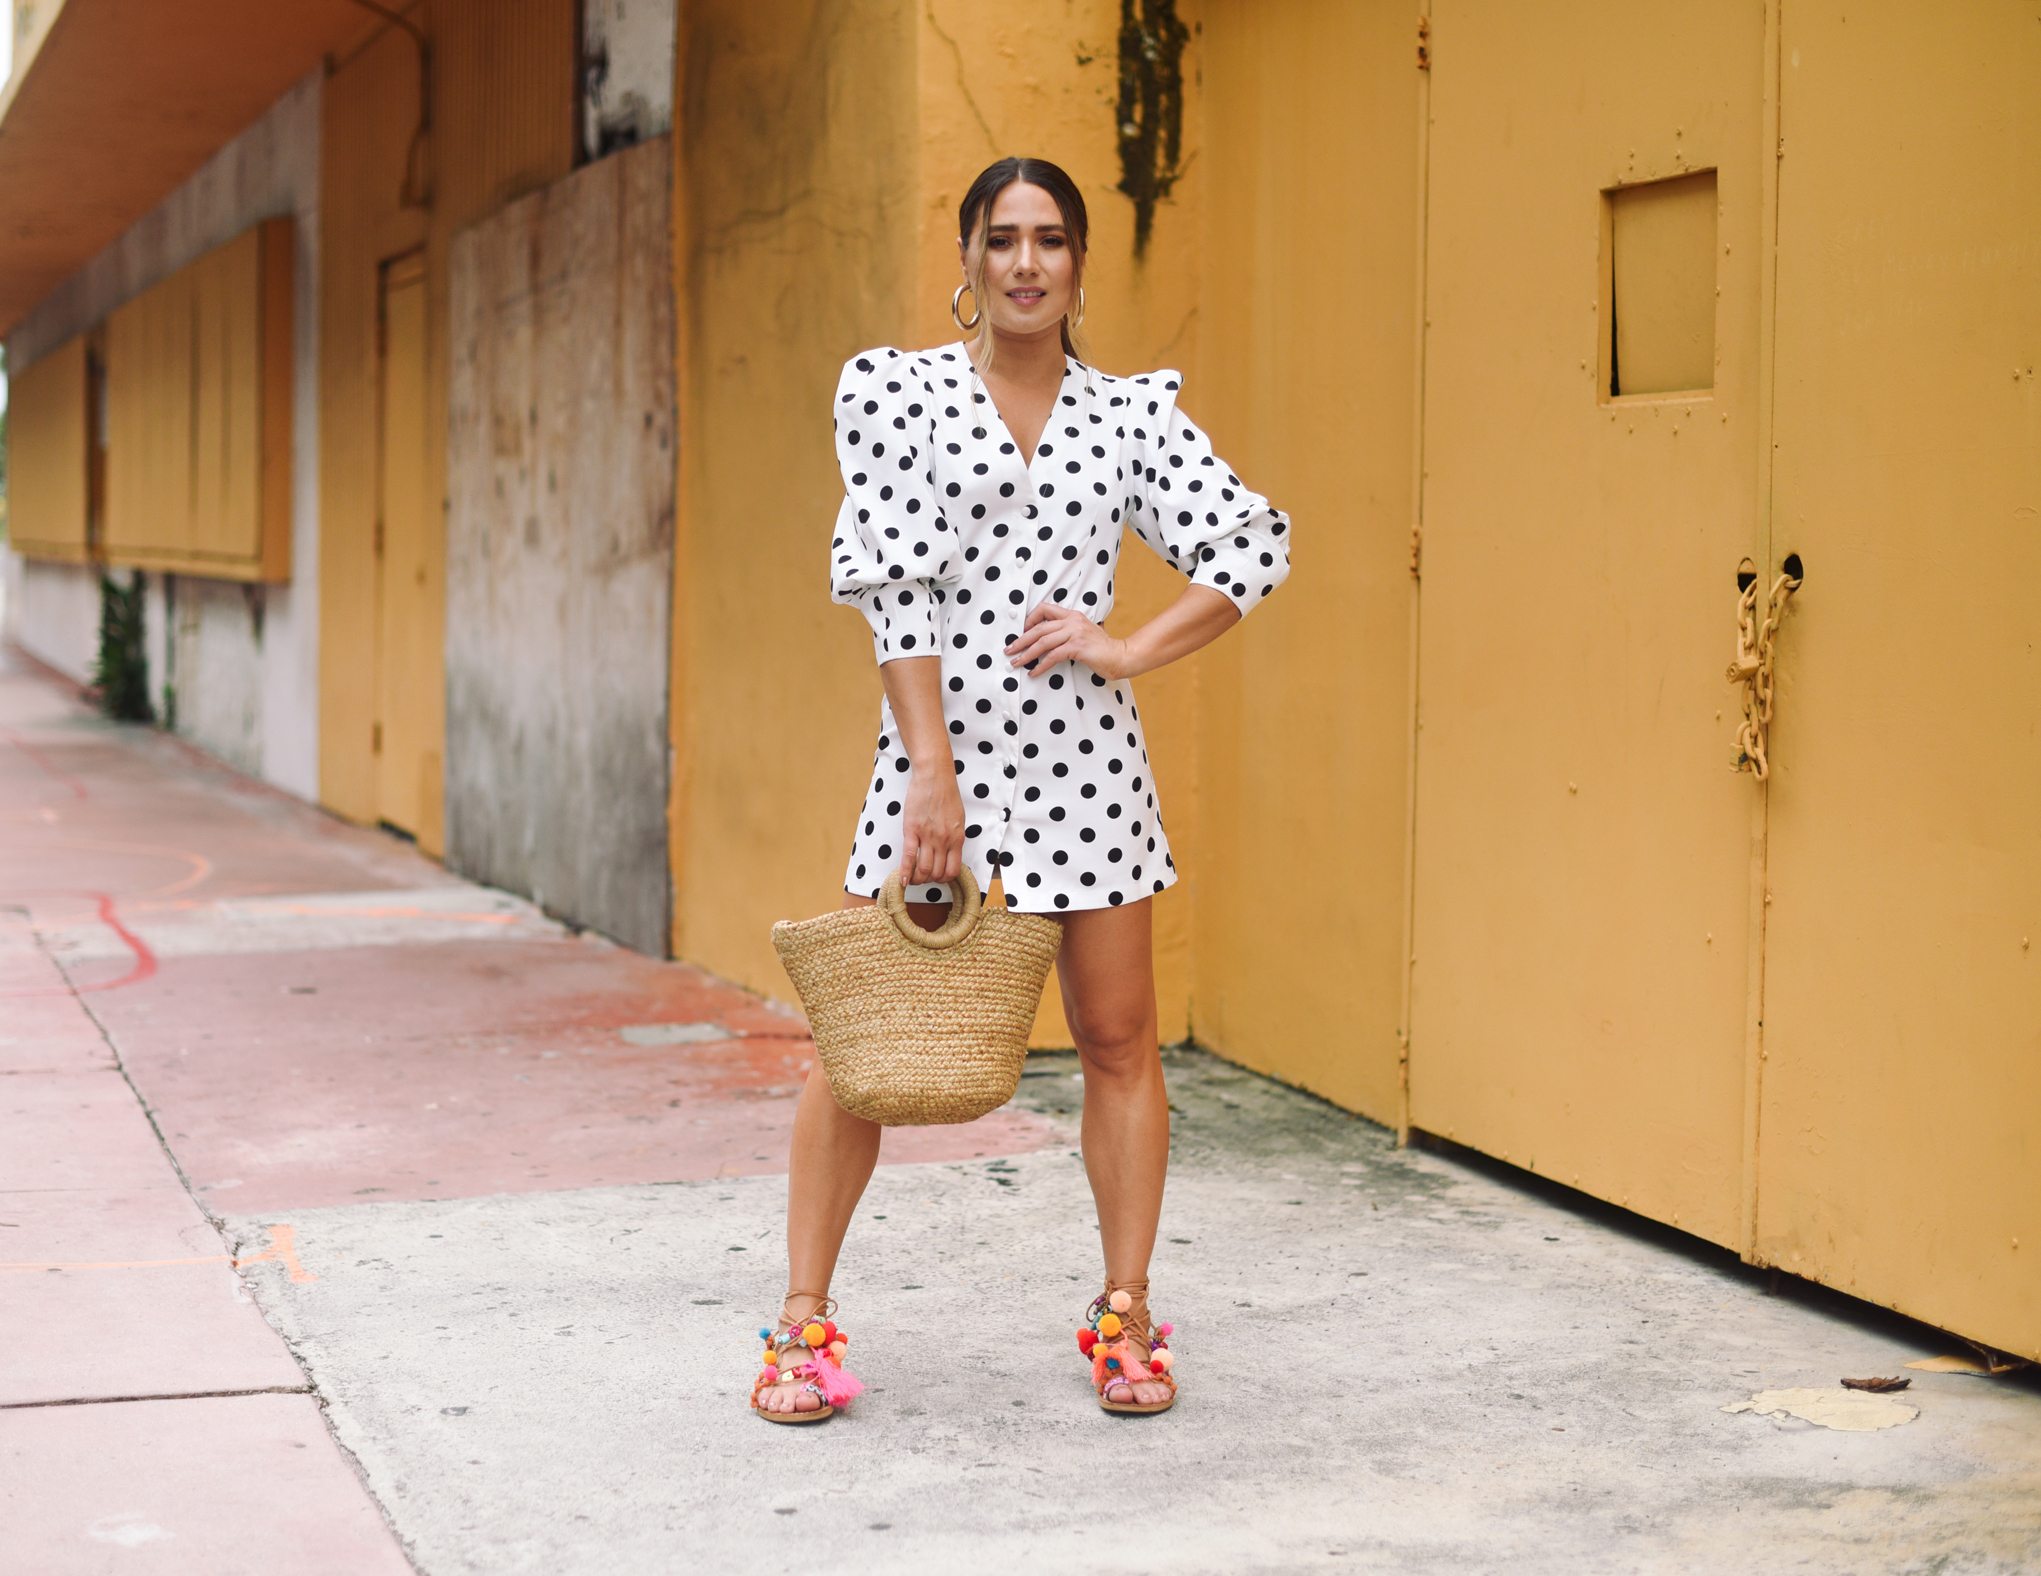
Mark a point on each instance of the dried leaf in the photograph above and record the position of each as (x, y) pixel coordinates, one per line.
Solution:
(1879, 1385)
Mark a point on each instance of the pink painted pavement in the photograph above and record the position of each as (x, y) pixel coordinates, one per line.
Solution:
(202, 975)
(228, 1486)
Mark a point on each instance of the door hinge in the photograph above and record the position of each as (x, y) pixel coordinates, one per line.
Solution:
(375, 738)
(1416, 549)
(1424, 43)
(1781, 153)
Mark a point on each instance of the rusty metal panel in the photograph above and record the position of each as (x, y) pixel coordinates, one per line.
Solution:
(1582, 853)
(560, 484)
(1900, 1147)
(48, 455)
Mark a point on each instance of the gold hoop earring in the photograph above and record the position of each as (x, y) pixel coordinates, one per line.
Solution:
(1078, 321)
(957, 316)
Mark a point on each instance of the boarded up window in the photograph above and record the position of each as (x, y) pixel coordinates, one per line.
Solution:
(1661, 283)
(198, 413)
(48, 456)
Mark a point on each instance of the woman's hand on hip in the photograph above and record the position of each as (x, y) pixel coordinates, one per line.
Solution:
(1055, 634)
(932, 823)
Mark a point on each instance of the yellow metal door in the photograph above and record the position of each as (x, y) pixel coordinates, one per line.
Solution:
(1597, 175)
(1900, 1145)
(410, 597)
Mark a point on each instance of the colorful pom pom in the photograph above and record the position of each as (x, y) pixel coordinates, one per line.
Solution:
(764, 1334)
(1161, 1360)
(815, 1335)
(829, 1330)
(1120, 1302)
(1112, 1362)
(771, 1360)
(1086, 1340)
(841, 1335)
(836, 1350)
(770, 1376)
(1109, 1325)
(1164, 1330)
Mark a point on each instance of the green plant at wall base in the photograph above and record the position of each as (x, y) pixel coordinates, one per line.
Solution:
(122, 674)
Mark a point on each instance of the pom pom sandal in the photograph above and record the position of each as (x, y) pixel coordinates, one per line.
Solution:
(1124, 1351)
(807, 1354)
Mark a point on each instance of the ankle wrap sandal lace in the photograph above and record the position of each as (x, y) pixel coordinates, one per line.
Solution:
(1124, 1351)
(816, 1346)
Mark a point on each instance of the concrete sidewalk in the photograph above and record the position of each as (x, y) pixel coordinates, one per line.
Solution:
(505, 1205)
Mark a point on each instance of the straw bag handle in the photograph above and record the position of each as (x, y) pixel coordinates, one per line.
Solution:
(965, 908)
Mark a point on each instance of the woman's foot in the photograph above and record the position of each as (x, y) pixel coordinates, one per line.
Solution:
(1129, 1362)
(797, 1393)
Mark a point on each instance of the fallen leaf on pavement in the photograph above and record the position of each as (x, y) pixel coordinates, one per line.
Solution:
(1879, 1385)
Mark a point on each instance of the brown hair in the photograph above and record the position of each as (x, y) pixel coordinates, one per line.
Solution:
(974, 222)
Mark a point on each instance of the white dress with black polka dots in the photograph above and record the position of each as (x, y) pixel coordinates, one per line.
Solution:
(947, 539)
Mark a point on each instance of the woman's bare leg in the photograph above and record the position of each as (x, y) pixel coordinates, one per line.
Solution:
(1107, 971)
(832, 1160)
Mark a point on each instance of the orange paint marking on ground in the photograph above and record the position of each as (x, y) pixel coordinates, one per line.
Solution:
(282, 1250)
(145, 960)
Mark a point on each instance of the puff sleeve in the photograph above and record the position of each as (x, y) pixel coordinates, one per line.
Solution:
(892, 548)
(1193, 511)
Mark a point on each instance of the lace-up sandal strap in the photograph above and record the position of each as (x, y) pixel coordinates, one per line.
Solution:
(808, 1353)
(1114, 1328)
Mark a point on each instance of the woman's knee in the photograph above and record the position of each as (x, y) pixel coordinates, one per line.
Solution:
(1114, 1041)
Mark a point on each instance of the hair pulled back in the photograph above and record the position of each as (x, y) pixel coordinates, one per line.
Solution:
(974, 222)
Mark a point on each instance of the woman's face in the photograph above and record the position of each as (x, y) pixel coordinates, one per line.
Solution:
(1030, 264)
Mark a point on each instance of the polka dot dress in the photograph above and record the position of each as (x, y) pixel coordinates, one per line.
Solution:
(948, 538)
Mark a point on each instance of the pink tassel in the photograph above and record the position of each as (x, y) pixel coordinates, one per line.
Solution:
(837, 1384)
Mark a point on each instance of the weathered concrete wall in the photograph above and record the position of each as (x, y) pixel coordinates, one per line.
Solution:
(264, 717)
(626, 73)
(53, 614)
(203, 683)
(560, 478)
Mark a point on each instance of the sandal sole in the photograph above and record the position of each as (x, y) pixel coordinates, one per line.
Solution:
(1135, 1409)
(820, 1414)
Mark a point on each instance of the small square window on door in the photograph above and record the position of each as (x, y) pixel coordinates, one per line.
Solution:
(1658, 286)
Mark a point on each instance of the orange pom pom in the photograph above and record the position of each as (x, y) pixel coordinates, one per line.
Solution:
(836, 1351)
(1109, 1325)
(771, 1358)
(1120, 1301)
(815, 1335)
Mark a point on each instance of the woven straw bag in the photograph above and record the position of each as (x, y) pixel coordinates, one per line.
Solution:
(917, 1027)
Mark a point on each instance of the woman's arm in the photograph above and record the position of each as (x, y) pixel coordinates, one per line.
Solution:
(932, 818)
(1056, 634)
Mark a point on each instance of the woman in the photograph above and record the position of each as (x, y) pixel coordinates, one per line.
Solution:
(988, 483)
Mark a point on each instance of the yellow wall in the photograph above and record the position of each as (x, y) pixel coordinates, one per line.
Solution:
(823, 149)
(369, 106)
(46, 482)
(503, 120)
(794, 204)
(1307, 384)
